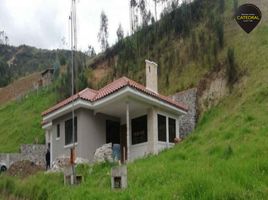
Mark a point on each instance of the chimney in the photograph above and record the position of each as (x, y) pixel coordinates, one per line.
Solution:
(151, 76)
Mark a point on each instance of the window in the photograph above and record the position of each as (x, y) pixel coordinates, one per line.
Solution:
(162, 128)
(171, 129)
(139, 129)
(68, 131)
(58, 131)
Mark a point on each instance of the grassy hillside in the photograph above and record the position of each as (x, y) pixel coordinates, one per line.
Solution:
(225, 158)
(20, 121)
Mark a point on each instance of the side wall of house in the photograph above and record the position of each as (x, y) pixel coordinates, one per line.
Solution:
(91, 134)
(57, 145)
(161, 144)
(153, 146)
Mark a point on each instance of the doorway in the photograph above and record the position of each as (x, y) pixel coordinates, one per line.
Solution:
(112, 132)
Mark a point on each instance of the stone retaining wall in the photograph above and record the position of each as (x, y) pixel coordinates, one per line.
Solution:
(188, 121)
(32, 152)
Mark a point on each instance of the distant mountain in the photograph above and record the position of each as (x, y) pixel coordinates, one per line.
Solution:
(16, 62)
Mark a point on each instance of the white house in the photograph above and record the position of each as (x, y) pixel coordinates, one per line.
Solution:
(124, 112)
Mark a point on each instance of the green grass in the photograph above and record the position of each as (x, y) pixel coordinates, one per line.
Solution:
(20, 120)
(225, 157)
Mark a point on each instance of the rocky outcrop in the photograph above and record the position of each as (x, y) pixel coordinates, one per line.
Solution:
(211, 89)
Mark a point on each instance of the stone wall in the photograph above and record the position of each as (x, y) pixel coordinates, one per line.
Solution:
(188, 121)
(33, 152)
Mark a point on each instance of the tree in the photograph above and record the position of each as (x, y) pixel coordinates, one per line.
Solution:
(91, 51)
(103, 33)
(5, 74)
(3, 38)
(145, 15)
(221, 6)
(63, 42)
(155, 9)
(120, 33)
(231, 67)
(235, 6)
(220, 32)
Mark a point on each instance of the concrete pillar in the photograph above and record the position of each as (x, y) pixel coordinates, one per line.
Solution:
(51, 146)
(128, 130)
(177, 128)
(152, 131)
(167, 133)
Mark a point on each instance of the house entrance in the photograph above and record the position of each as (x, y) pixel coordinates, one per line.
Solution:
(112, 132)
(117, 134)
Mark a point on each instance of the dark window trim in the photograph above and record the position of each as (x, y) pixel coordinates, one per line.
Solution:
(70, 130)
(162, 127)
(139, 131)
(171, 138)
(58, 131)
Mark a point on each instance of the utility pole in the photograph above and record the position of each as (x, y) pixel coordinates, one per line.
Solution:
(155, 10)
(73, 50)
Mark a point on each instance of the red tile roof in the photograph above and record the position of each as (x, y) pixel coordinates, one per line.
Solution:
(93, 95)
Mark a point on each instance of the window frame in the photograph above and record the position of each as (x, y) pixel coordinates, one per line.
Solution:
(58, 132)
(141, 137)
(169, 129)
(162, 138)
(68, 131)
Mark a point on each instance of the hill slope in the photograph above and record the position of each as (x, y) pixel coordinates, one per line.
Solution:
(20, 120)
(17, 62)
(19, 88)
(225, 158)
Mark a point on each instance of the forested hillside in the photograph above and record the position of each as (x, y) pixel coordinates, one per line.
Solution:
(16, 62)
(185, 43)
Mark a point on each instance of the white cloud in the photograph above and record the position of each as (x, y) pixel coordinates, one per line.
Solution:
(42, 23)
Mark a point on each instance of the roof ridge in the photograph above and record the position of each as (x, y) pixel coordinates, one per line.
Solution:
(82, 91)
(117, 80)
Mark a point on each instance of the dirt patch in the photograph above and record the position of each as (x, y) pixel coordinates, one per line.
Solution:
(23, 169)
(18, 88)
(211, 89)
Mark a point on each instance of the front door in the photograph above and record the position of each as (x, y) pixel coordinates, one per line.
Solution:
(123, 144)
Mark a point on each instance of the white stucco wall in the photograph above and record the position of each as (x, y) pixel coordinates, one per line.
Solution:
(91, 134)
(138, 151)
